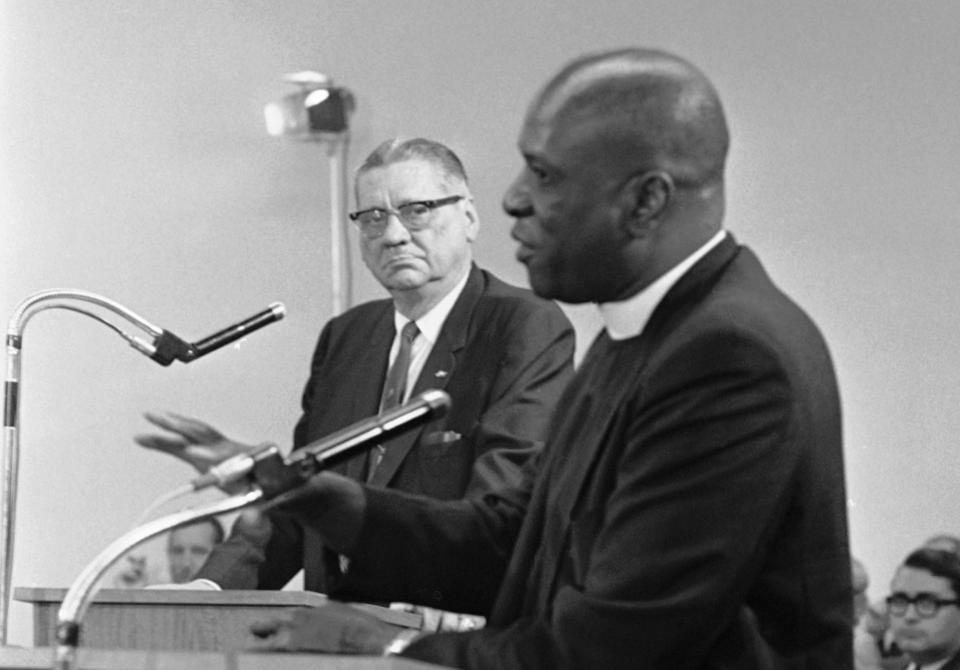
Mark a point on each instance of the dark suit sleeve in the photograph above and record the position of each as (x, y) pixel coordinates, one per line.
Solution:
(307, 399)
(537, 346)
(456, 563)
(703, 471)
(238, 562)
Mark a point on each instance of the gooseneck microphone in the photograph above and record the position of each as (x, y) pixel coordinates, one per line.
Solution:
(162, 346)
(275, 475)
(346, 443)
(168, 347)
(274, 312)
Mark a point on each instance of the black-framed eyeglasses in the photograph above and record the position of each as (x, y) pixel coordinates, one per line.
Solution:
(415, 215)
(926, 604)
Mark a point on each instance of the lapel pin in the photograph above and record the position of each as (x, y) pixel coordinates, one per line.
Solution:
(440, 374)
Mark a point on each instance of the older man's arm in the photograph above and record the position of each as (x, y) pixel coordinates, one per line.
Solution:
(537, 365)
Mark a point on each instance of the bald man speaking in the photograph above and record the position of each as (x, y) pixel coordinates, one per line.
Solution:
(688, 510)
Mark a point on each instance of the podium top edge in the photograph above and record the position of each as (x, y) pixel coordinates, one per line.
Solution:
(45, 596)
(33, 594)
(40, 658)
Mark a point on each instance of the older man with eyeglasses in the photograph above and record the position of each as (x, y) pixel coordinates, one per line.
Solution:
(924, 609)
(502, 354)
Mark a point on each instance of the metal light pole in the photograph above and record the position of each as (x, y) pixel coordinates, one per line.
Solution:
(320, 112)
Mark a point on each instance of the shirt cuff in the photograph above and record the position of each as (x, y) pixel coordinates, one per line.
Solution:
(403, 640)
(212, 585)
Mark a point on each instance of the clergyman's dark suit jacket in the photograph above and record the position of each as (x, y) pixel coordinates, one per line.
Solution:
(503, 355)
(687, 511)
(952, 664)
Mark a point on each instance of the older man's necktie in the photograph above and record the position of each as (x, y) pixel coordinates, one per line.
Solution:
(395, 387)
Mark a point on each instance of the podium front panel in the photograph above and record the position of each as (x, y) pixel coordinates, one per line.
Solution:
(177, 619)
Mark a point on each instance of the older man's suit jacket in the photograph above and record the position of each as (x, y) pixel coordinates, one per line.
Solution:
(687, 512)
(504, 357)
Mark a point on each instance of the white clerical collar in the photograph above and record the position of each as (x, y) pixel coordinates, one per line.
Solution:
(628, 318)
(431, 322)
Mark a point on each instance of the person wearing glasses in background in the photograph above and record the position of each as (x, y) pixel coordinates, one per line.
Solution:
(874, 644)
(502, 354)
(924, 609)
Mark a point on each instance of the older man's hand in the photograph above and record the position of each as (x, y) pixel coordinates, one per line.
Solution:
(330, 628)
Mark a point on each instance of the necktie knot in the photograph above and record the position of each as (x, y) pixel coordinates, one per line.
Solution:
(409, 332)
(396, 382)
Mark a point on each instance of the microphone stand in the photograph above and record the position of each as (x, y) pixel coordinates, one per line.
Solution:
(340, 267)
(77, 600)
(163, 347)
(11, 442)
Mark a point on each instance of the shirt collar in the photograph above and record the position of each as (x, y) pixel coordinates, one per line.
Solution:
(430, 323)
(628, 318)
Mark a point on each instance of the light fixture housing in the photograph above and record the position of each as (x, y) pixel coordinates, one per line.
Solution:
(319, 111)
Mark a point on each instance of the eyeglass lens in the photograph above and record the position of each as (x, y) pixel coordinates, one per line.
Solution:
(925, 604)
(413, 215)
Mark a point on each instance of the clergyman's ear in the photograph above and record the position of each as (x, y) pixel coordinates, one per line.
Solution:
(650, 194)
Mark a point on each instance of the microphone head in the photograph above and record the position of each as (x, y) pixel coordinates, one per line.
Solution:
(274, 312)
(364, 434)
(278, 309)
(438, 401)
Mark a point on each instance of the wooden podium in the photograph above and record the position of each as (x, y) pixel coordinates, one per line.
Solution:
(161, 629)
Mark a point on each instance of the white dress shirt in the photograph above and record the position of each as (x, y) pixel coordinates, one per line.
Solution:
(429, 325)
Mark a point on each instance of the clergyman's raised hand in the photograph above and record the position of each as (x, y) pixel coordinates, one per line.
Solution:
(192, 441)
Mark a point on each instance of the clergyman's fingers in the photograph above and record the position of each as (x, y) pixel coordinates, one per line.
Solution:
(160, 443)
(190, 429)
(271, 634)
(166, 423)
(203, 433)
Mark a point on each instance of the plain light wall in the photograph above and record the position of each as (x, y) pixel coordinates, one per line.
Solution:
(134, 163)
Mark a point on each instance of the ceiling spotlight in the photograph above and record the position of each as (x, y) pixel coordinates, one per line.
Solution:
(319, 111)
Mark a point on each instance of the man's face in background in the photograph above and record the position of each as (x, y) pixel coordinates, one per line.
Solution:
(188, 549)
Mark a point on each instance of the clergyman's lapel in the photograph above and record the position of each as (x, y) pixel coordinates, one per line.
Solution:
(571, 471)
(577, 464)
